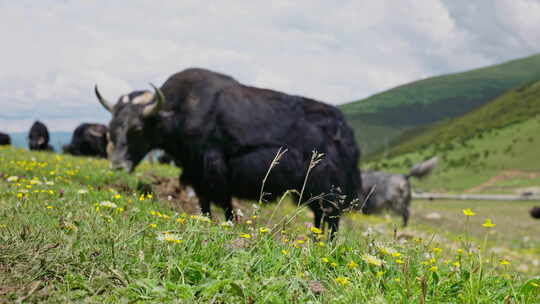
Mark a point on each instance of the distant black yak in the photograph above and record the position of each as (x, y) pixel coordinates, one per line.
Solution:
(5, 140)
(226, 134)
(535, 212)
(38, 137)
(392, 191)
(88, 139)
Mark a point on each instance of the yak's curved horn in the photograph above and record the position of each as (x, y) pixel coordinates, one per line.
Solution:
(154, 108)
(107, 105)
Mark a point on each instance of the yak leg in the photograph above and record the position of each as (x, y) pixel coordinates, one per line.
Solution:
(225, 202)
(204, 203)
(333, 224)
(405, 215)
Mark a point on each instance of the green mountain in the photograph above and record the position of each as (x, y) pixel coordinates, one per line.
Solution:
(495, 141)
(381, 119)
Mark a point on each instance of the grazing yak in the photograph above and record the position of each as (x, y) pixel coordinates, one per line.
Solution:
(392, 191)
(88, 139)
(5, 140)
(226, 134)
(38, 137)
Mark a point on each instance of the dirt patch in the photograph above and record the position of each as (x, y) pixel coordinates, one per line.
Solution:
(489, 184)
(182, 197)
(177, 196)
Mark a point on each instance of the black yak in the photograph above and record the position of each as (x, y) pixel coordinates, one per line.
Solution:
(88, 140)
(226, 134)
(392, 191)
(38, 137)
(5, 140)
(535, 212)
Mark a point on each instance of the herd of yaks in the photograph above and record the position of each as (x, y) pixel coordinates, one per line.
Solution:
(234, 140)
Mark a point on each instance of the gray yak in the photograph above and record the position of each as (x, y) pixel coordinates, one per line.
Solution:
(392, 191)
(226, 134)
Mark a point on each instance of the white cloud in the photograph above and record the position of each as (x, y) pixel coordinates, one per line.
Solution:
(336, 51)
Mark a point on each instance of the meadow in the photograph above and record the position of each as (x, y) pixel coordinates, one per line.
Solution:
(71, 230)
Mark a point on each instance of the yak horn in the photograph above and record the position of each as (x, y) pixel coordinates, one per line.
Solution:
(107, 105)
(154, 108)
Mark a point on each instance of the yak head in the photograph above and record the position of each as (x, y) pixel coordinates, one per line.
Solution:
(38, 137)
(132, 127)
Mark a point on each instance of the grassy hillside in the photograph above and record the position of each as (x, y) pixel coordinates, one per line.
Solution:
(73, 231)
(497, 144)
(502, 154)
(515, 106)
(383, 117)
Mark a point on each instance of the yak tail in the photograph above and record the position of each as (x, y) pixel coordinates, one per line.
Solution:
(423, 169)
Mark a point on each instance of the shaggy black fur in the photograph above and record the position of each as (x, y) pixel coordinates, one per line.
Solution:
(226, 134)
(4, 139)
(38, 137)
(88, 140)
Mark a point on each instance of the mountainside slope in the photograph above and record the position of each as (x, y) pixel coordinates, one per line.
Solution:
(515, 106)
(381, 118)
(495, 139)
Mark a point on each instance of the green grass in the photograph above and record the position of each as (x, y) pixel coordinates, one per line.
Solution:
(110, 243)
(517, 105)
(428, 101)
(467, 163)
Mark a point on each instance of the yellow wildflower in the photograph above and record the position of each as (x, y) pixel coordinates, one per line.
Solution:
(321, 244)
(433, 268)
(399, 261)
(325, 260)
(456, 264)
(343, 281)
(153, 225)
(488, 223)
(249, 222)
(263, 230)
(436, 250)
(504, 262)
(285, 252)
(50, 207)
(468, 212)
(316, 230)
(352, 264)
(333, 264)
(245, 235)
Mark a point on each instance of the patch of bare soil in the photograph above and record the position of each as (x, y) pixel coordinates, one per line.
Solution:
(180, 197)
(177, 196)
(490, 184)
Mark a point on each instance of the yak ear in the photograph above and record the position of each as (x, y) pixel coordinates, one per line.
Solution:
(154, 108)
(41, 140)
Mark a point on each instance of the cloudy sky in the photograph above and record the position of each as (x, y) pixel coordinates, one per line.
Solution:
(53, 52)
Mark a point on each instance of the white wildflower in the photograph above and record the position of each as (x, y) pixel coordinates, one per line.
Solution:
(108, 204)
